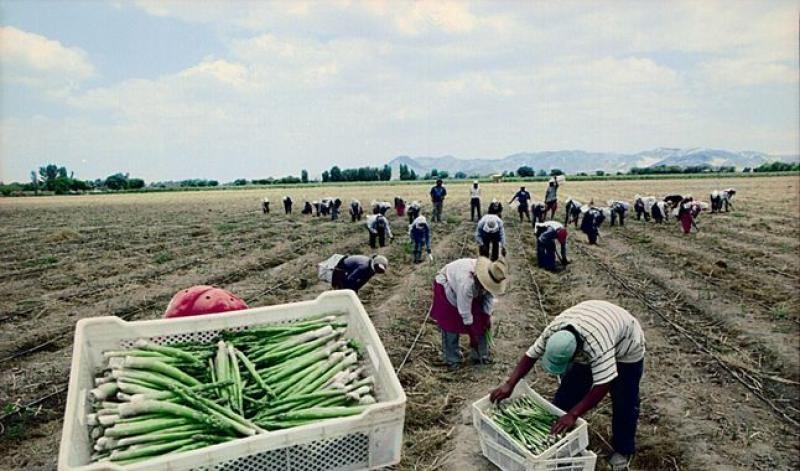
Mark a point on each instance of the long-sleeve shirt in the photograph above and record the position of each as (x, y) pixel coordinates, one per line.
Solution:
(357, 271)
(423, 234)
(474, 193)
(374, 222)
(480, 229)
(438, 193)
(460, 286)
(610, 334)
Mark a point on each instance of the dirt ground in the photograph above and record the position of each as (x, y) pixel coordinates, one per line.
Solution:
(719, 307)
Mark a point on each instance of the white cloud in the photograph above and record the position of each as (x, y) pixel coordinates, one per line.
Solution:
(35, 60)
(747, 72)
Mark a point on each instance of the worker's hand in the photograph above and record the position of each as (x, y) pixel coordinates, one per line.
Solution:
(503, 392)
(564, 423)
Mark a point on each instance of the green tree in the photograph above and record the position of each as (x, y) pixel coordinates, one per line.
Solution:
(460, 175)
(326, 176)
(385, 173)
(525, 171)
(541, 173)
(118, 181)
(304, 176)
(556, 172)
(336, 174)
(599, 173)
(135, 183)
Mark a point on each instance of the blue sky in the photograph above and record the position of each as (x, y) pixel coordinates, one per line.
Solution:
(172, 90)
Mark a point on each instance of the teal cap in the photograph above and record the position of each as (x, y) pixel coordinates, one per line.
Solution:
(558, 352)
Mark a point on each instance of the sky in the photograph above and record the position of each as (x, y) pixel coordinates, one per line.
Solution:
(169, 90)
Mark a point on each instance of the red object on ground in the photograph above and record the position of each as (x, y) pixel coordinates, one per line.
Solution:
(561, 235)
(203, 299)
(448, 318)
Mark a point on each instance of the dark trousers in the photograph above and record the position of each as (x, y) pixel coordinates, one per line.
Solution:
(624, 389)
(287, 208)
(437, 211)
(412, 214)
(378, 237)
(523, 211)
(546, 254)
(621, 215)
(265, 208)
(592, 233)
(491, 246)
(474, 206)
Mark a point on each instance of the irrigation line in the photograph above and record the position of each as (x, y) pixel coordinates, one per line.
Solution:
(738, 376)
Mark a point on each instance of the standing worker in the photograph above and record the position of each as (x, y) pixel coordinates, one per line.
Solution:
(522, 197)
(287, 204)
(463, 300)
(413, 211)
(495, 207)
(474, 201)
(265, 206)
(354, 271)
(356, 211)
(438, 194)
(378, 227)
(551, 197)
(618, 210)
(596, 347)
(590, 224)
(547, 233)
(491, 237)
(420, 234)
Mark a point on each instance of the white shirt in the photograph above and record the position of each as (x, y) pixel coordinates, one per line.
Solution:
(372, 219)
(458, 279)
(474, 192)
(554, 224)
(610, 334)
(479, 230)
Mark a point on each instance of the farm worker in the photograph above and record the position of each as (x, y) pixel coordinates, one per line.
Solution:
(380, 207)
(203, 299)
(573, 212)
(336, 207)
(522, 197)
(716, 201)
(354, 271)
(685, 215)
(490, 236)
(547, 233)
(413, 211)
(618, 210)
(495, 207)
(590, 224)
(307, 209)
(420, 234)
(643, 205)
(463, 300)
(596, 347)
(659, 212)
(326, 205)
(474, 201)
(399, 206)
(316, 208)
(265, 206)
(538, 212)
(287, 204)
(673, 200)
(438, 194)
(356, 211)
(378, 227)
(727, 198)
(551, 197)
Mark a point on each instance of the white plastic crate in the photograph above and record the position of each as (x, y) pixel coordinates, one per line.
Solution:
(575, 441)
(507, 460)
(370, 440)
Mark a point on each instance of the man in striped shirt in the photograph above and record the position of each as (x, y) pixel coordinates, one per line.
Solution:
(595, 347)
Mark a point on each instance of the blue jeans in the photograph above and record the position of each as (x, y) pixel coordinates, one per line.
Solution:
(451, 352)
(577, 382)
(546, 254)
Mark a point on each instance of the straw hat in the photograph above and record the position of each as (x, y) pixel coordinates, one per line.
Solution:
(493, 276)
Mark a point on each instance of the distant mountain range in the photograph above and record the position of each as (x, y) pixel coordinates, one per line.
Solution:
(574, 161)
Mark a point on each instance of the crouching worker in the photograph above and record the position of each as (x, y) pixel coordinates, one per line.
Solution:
(265, 206)
(420, 234)
(491, 237)
(547, 234)
(287, 204)
(354, 271)
(356, 211)
(307, 208)
(413, 211)
(463, 300)
(618, 210)
(379, 228)
(596, 347)
(590, 224)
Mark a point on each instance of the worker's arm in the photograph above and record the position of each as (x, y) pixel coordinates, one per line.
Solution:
(592, 398)
(564, 253)
(524, 366)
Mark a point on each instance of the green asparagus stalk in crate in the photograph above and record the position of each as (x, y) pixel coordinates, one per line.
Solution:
(528, 422)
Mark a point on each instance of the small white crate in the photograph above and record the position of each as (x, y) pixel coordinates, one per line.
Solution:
(575, 441)
(507, 460)
(370, 440)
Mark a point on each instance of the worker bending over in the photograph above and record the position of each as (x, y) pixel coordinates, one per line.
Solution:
(490, 236)
(354, 271)
(379, 228)
(547, 233)
(419, 232)
(618, 209)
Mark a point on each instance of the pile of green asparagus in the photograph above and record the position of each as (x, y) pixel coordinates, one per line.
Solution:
(528, 422)
(154, 399)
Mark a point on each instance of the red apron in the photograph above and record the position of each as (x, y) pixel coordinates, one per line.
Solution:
(448, 318)
(686, 221)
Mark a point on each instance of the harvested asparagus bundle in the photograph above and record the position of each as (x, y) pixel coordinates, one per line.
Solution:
(528, 422)
(154, 399)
